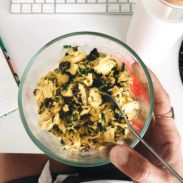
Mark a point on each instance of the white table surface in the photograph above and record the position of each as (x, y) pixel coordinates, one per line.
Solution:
(24, 35)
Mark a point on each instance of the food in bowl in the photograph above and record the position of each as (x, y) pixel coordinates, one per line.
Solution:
(71, 107)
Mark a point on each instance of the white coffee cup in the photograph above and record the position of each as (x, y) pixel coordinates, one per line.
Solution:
(155, 27)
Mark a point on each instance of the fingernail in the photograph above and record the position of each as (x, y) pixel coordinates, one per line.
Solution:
(119, 155)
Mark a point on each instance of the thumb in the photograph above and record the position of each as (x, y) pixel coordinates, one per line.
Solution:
(134, 165)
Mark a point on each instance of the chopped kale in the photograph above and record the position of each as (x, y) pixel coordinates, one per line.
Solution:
(77, 127)
(118, 117)
(62, 142)
(119, 131)
(88, 123)
(85, 117)
(58, 91)
(104, 83)
(85, 70)
(99, 81)
(103, 117)
(63, 66)
(51, 78)
(48, 102)
(77, 94)
(100, 127)
(71, 131)
(79, 99)
(94, 141)
(75, 48)
(56, 128)
(63, 114)
(122, 67)
(92, 131)
(94, 54)
(77, 106)
(82, 135)
(104, 87)
(116, 71)
(67, 46)
(58, 99)
(75, 117)
(73, 105)
(76, 89)
(110, 82)
(35, 91)
(65, 86)
(68, 121)
(41, 108)
(68, 100)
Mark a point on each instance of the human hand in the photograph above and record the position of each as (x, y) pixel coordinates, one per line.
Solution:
(140, 165)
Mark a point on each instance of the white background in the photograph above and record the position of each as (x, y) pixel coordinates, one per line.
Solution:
(24, 35)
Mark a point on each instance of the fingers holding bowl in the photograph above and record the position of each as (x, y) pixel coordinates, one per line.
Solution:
(162, 100)
(163, 127)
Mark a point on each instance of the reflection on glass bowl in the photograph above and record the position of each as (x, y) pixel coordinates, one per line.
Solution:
(47, 59)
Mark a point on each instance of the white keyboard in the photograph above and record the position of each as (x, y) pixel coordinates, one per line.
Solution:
(124, 7)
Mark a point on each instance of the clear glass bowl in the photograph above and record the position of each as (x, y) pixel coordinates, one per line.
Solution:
(47, 59)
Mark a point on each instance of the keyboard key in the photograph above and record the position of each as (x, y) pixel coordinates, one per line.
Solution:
(36, 8)
(26, 8)
(101, 1)
(91, 1)
(39, 1)
(81, 8)
(60, 1)
(113, 8)
(125, 8)
(123, 1)
(70, 1)
(48, 8)
(50, 1)
(22, 1)
(132, 1)
(81, 1)
(15, 8)
(112, 1)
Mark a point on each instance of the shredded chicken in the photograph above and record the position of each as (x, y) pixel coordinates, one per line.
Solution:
(72, 108)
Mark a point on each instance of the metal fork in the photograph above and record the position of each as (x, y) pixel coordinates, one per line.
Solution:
(169, 168)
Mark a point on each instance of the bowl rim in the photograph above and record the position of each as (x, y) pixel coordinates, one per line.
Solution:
(23, 118)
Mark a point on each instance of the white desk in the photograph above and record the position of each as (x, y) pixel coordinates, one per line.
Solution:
(24, 35)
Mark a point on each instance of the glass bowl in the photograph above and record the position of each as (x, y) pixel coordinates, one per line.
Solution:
(47, 59)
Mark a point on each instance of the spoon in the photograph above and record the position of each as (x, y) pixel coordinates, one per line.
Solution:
(169, 168)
